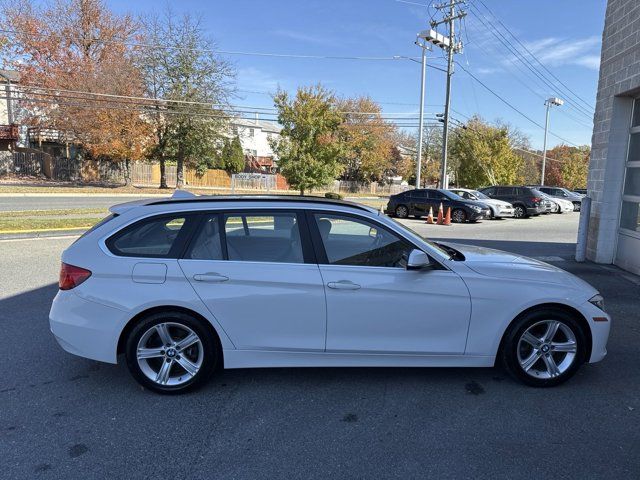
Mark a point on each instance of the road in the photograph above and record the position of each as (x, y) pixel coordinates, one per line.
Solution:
(53, 202)
(66, 417)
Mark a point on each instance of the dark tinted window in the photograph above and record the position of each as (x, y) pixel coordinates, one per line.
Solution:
(351, 241)
(153, 237)
(489, 191)
(263, 237)
(206, 245)
(420, 194)
(505, 191)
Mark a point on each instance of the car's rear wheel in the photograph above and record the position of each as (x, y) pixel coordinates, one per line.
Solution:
(519, 211)
(402, 211)
(170, 352)
(458, 216)
(544, 348)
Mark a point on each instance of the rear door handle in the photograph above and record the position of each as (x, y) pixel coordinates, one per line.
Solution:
(210, 277)
(343, 285)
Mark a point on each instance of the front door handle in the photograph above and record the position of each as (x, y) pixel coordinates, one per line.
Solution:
(210, 277)
(343, 285)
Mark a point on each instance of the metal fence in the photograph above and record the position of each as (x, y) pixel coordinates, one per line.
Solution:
(253, 181)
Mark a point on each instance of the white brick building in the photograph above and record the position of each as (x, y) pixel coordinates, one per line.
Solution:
(255, 136)
(614, 169)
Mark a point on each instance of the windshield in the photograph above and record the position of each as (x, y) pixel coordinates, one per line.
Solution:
(451, 195)
(478, 194)
(411, 230)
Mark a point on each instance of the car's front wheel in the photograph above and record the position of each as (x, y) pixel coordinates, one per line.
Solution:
(544, 348)
(170, 352)
(458, 216)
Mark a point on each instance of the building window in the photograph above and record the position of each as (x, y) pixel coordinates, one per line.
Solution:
(251, 132)
(630, 211)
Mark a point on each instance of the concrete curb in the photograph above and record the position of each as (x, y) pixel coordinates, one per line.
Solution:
(52, 233)
(71, 195)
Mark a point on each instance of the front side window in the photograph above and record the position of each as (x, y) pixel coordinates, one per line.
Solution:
(263, 237)
(351, 241)
(153, 237)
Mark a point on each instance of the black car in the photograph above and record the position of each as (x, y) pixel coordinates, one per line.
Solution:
(526, 201)
(418, 202)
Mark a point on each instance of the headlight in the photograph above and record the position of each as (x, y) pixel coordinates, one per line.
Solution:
(598, 301)
(476, 209)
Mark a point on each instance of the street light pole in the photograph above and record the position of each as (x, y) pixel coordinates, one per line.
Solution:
(420, 123)
(548, 103)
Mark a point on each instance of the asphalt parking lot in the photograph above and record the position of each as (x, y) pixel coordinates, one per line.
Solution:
(67, 417)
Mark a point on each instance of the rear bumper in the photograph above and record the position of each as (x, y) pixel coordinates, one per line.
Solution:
(84, 328)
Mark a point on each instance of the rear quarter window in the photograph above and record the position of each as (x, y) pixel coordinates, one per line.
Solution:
(156, 237)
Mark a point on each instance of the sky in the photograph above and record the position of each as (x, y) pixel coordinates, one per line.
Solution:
(564, 36)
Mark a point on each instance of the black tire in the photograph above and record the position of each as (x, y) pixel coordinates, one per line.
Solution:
(492, 215)
(511, 344)
(402, 211)
(210, 351)
(458, 216)
(519, 211)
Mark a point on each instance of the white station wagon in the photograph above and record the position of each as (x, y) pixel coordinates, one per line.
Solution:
(186, 285)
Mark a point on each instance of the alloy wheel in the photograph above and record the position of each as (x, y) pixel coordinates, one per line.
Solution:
(547, 349)
(518, 212)
(458, 216)
(170, 354)
(402, 212)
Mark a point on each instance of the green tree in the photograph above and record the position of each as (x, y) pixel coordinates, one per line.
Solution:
(233, 156)
(193, 86)
(368, 140)
(484, 155)
(309, 149)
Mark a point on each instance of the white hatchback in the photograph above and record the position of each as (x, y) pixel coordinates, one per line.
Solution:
(185, 285)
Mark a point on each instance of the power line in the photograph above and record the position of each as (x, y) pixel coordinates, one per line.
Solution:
(586, 110)
(536, 58)
(522, 114)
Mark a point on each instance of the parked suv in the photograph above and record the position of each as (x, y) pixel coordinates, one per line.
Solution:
(179, 287)
(526, 201)
(559, 192)
(419, 201)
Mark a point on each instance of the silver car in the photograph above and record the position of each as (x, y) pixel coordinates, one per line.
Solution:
(499, 208)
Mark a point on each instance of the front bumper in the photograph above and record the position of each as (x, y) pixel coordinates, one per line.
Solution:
(600, 325)
(85, 328)
(502, 212)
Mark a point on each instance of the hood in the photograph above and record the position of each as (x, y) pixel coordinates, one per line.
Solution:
(501, 264)
(474, 203)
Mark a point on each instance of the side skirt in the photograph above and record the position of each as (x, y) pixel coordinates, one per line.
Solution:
(276, 359)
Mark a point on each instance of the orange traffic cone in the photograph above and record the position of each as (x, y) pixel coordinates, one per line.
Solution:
(440, 214)
(447, 218)
(430, 216)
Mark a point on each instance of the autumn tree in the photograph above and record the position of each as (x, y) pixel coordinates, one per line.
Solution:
(484, 155)
(567, 166)
(193, 86)
(309, 149)
(368, 140)
(75, 62)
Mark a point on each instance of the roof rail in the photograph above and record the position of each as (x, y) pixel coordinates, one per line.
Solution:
(191, 198)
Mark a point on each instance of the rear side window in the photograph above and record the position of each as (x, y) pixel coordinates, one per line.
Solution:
(263, 237)
(153, 237)
(206, 245)
(489, 191)
(505, 190)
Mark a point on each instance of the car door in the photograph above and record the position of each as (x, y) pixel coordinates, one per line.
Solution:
(376, 305)
(256, 273)
(419, 202)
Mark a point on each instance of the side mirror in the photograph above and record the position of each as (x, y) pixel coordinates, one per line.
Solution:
(418, 260)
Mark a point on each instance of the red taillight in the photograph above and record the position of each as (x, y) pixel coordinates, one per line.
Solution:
(72, 276)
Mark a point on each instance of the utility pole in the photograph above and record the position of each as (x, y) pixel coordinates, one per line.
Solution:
(420, 123)
(549, 102)
(451, 47)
